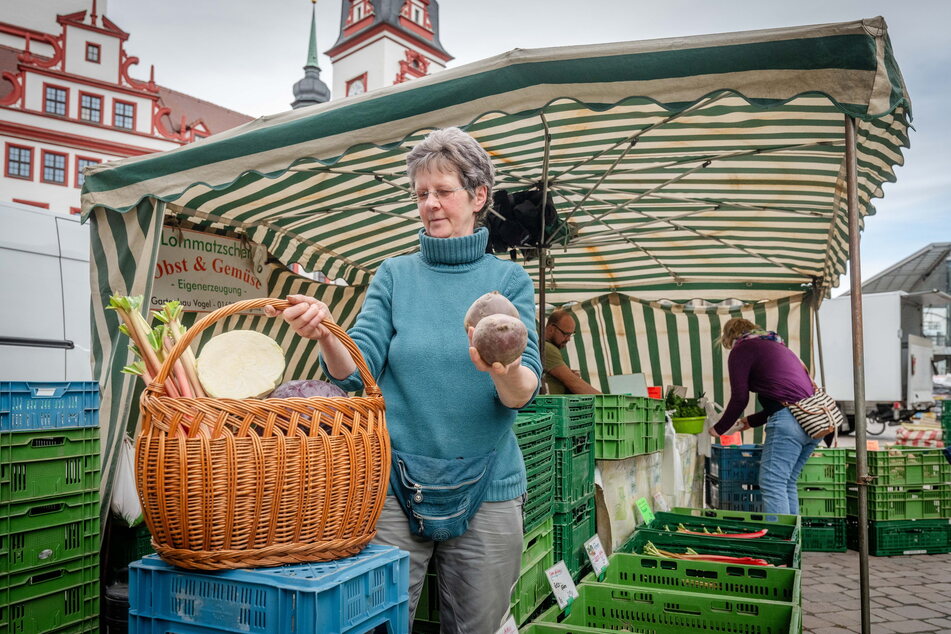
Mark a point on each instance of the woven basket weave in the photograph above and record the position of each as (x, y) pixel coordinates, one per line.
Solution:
(239, 483)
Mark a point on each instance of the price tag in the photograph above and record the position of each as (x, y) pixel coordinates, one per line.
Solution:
(645, 510)
(561, 584)
(508, 627)
(599, 561)
(660, 502)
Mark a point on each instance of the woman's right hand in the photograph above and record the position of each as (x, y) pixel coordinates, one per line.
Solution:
(305, 315)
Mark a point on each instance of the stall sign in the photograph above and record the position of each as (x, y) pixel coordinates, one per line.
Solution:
(203, 271)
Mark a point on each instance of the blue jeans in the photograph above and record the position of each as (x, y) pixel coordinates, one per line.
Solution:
(785, 452)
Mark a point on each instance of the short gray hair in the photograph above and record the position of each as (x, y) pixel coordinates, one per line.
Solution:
(452, 150)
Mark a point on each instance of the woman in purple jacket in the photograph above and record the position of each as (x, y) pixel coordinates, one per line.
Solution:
(760, 362)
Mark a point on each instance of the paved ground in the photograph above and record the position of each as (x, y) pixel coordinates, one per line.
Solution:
(909, 594)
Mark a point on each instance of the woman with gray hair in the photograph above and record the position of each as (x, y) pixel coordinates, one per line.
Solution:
(458, 479)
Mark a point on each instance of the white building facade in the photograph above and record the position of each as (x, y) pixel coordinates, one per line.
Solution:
(68, 99)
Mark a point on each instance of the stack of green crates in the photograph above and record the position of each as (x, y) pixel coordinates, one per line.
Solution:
(627, 426)
(49, 517)
(946, 422)
(645, 593)
(574, 520)
(535, 434)
(822, 501)
(909, 501)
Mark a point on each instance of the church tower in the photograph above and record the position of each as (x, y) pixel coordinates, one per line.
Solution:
(311, 89)
(385, 42)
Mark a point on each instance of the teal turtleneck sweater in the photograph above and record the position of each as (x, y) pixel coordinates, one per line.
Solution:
(410, 331)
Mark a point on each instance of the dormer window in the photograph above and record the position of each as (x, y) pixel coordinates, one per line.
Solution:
(416, 12)
(359, 9)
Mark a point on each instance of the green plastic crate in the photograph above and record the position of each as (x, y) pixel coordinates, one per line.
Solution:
(571, 413)
(51, 598)
(769, 519)
(608, 608)
(532, 428)
(532, 587)
(822, 500)
(656, 412)
(42, 547)
(43, 464)
(704, 577)
(538, 541)
(572, 529)
(655, 438)
(616, 441)
(903, 466)
(825, 466)
(574, 470)
(538, 505)
(776, 553)
(539, 475)
(20, 517)
(620, 408)
(824, 534)
(914, 537)
(670, 521)
(903, 503)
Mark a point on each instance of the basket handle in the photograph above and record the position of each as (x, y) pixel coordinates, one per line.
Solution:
(158, 383)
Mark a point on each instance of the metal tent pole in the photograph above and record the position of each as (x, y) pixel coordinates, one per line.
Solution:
(858, 366)
(542, 251)
(815, 314)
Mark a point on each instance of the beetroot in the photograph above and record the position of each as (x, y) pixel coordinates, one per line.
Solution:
(494, 303)
(305, 388)
(500, 338)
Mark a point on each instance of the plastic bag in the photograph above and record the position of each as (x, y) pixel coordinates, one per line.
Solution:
(705, 440)
(125, 499)
(672, 475)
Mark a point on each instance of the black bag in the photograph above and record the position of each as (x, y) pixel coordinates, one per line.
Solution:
(439, 496)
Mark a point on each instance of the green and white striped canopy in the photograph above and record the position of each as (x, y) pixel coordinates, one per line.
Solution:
(698, 168)
(707, 166)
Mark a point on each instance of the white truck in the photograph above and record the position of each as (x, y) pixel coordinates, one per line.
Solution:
(898, 360)
(44, 296)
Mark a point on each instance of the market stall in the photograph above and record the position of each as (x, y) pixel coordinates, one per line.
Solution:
(700, 177)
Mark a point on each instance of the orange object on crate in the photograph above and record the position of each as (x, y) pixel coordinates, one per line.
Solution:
(655, 392)
(240, 483)
(732, 439)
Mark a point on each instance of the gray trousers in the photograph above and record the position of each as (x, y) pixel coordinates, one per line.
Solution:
(477, 570)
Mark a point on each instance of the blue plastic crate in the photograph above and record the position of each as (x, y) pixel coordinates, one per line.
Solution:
(347, 595)
(733, 496)
(395, 619)
(735, 463)
(30, 406)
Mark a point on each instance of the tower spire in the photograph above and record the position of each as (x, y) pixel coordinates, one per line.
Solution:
(312, 51)
(311, 90)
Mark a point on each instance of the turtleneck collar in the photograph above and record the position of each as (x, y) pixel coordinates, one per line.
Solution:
(453, 251)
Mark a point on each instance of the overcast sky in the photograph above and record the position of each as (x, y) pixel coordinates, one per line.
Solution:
(247, 54)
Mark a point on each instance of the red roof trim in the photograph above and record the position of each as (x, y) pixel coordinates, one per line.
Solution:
(76, 19)
(32, 133)
(387, 28)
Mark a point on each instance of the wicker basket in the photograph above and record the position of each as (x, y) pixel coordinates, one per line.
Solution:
(239, 483)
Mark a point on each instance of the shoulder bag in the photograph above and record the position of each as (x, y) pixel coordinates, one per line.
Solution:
(439, 496)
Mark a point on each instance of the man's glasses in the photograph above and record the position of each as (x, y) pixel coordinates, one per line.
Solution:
(567, 335)
(440, 194)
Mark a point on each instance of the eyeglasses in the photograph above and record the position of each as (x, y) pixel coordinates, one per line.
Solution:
(440, 194)
(567, 335)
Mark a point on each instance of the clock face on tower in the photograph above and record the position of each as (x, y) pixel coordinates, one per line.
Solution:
(357, 86)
